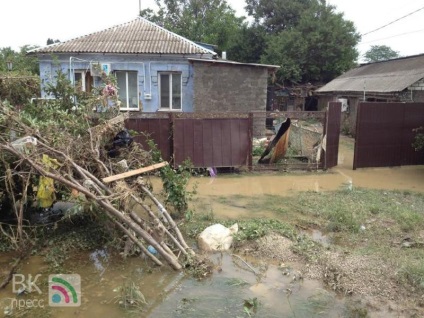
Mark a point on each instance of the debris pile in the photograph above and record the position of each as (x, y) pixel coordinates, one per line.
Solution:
(63, 151)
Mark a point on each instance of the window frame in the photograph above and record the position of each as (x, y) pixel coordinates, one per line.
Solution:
(83, 74)
(127, 108)
(169, 106)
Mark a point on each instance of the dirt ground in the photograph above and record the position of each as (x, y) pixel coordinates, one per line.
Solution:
(363, 279)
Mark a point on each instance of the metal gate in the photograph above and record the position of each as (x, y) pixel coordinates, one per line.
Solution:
(384, 134)
(212, 142)
(332, 133)
(225, 139)
(156, 127)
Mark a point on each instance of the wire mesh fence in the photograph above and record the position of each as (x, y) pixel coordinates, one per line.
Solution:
(304, 141)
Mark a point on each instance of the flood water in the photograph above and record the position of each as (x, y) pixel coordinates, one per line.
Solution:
(278, 290)
(409, 178)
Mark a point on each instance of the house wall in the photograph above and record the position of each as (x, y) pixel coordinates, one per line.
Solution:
(417, 91)
(348, 120)
(323, 101)
(227, 87)
(146, 66)
(418, 96)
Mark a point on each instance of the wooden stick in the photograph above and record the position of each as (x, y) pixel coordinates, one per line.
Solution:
(136, 218)
(163, 211)
(134, 172)
(139, 244)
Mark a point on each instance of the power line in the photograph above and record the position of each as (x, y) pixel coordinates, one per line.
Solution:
(393, 36)
(407, 15)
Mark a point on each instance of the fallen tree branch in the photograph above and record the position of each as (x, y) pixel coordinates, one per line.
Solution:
(163, 211)
(111, 211)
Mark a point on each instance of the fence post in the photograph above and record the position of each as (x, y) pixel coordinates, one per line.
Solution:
(250, 142)
(171, 138)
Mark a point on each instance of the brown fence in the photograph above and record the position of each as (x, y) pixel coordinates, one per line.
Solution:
(332, 133)
(212, 142)
(154, 126)
(384, 134)
(225, 139)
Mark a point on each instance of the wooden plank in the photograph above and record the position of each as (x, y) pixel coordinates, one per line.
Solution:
(134, 172)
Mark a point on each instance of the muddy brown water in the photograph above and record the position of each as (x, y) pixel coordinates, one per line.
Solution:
(409, 178)
(278, 290)
(171, 294)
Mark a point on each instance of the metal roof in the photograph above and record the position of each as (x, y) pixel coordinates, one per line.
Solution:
(380, 77)
(134, 37)
(220, 61)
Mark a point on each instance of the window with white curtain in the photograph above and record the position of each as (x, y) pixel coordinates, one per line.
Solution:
(170, 91)
(127, 89)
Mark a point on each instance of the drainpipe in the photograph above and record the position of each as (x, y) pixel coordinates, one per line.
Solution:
(364, 89)
(71, 78)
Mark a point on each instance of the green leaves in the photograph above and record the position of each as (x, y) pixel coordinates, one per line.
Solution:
(380, 53)
(207, 21)
(317, 48)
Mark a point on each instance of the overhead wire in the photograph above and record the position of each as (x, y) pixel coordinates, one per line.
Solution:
(393, 36)
(390, 23)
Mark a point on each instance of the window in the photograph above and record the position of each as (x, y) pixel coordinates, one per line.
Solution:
(170, 91)
(83, 80)
(127, 89)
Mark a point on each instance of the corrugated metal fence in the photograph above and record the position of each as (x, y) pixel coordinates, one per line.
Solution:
(218, 139)
(384, 134)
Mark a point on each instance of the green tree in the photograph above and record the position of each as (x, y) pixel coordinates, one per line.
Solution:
(51, 41)
(319, 47)
(249, 44)
(23, 64)
(277, 15)
(208, 21)
(380, 53)
(21, 83)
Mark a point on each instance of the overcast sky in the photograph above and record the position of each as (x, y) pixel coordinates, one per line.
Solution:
(34, 21)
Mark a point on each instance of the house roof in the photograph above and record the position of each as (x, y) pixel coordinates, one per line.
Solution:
(220, 61)
(380, 77)
(138, 36)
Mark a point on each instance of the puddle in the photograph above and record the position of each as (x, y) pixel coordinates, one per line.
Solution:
(279, 292)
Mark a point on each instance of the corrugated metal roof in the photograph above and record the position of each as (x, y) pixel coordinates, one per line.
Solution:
(136, 36)
(384, 77)
(234, 63)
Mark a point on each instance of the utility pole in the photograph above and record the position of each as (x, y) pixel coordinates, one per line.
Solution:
(139, 7)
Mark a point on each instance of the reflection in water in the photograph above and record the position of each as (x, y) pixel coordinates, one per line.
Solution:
(100, 257)
(279, 291)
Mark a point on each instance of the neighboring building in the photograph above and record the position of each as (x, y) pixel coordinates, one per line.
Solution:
(157, 70)
(396, 80)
